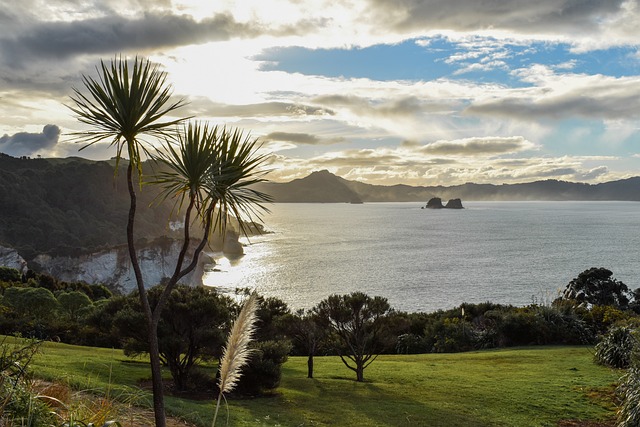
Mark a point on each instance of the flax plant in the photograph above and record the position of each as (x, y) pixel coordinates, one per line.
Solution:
(236, 352)
(206, 171)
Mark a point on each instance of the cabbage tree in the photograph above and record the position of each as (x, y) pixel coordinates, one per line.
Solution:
(206, 171)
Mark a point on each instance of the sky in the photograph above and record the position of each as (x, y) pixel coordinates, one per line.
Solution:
(417, 92)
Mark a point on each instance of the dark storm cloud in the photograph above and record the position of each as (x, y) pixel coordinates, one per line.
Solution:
(119, 34)
(300, 138)
(524, 16)
(26, 144)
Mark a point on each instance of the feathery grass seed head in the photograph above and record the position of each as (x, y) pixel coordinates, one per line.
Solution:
(236, 352)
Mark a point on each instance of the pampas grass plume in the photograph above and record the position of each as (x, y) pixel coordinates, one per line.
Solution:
(236, 353)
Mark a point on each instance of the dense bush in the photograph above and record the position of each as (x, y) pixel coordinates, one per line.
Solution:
(601, 317)
(488, 325)
(192, 328)
(99, 328)
(451, 335)
(272, 313)
(9, 275)
(39, 306)
(411, 344)
(78, 202)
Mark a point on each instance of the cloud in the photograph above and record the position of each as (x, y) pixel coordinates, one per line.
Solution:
(113, 34)
(357, 158)
(300, 138)
(592, 174)
(389, 107)
(565, 96)
(562, 17)
(26, 144)
(486, 146)
(206, 107)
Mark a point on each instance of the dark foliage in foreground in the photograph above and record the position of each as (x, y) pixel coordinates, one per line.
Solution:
(192, 328)
(467, 327)
(196, 321)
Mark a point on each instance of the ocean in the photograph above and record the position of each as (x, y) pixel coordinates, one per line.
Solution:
(423, 260)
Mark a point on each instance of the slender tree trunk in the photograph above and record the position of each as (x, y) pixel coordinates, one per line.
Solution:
(360, 373)
(154, 353)
(156, 376)
(310, 366)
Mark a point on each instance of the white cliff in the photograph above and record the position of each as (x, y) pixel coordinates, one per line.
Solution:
(10, 258)
(113, 267)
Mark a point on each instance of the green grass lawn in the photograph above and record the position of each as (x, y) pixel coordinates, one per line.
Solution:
(534, 386)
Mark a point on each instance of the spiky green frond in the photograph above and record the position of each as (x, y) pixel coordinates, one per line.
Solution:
(124, 102)
(216, 168)
(237, 169)
(185, 162)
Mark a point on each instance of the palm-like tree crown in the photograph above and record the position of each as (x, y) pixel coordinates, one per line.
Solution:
(230, 181)
(123, 103)
(213, 168)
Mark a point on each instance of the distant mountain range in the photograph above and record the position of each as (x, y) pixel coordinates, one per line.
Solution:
(325, 187)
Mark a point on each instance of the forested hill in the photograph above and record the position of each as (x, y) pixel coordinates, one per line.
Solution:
(324, 187)
(70, 206)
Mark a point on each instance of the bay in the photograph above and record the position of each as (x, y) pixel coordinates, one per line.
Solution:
(424, 260)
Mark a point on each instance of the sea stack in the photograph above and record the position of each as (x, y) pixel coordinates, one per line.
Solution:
(454, 204)
(436, 203)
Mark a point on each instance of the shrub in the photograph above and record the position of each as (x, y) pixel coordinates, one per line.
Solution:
(191, 328)
(563, 326)
(411, 344)
(616, 348)
(9, 275)
(450, 335)
(264, 370)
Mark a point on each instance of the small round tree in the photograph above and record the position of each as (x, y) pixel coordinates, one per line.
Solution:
(358, 328)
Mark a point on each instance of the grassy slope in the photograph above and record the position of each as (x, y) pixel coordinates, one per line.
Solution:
(516, 387)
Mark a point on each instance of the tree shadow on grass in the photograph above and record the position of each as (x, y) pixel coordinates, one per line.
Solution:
(340, 400)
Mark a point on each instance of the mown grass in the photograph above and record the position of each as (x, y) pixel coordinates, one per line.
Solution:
(536, 386)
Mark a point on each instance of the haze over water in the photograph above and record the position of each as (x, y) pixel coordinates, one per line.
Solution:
(424, 260)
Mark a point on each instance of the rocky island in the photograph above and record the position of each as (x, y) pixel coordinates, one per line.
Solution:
(436, 203)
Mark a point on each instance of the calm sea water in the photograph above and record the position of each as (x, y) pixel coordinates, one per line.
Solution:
(424, 260)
